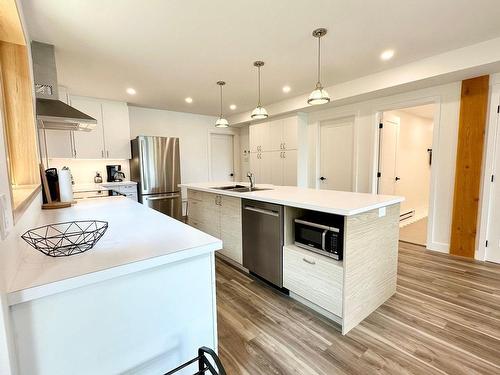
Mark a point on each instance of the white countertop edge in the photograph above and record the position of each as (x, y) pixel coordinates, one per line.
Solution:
(311, 207)
(29, 294)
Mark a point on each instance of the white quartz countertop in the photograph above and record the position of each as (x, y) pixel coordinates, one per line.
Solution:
(137, 238)
(331, 201)
(102, 186)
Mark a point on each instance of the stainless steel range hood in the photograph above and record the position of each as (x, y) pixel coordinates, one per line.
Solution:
(51, 113)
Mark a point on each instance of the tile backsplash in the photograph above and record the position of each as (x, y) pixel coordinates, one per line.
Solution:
(83, 170)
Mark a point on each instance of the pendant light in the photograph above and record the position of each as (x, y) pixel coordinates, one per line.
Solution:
(259, 112)
(221, 121)
(319, 95)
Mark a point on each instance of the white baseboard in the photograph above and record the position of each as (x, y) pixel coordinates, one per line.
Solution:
(439, 247)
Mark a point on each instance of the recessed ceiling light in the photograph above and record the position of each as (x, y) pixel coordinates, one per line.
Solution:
(387, 55)
(189, 100)
(286, 89)
(232, 107)
(131, 91)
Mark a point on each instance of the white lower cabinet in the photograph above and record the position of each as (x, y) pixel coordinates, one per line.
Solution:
(128, 190)
(313, 277)
(219, 216)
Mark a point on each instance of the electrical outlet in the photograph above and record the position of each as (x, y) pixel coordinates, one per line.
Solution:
(5, 224)
(382, 211)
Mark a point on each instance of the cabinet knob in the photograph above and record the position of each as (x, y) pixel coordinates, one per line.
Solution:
(322, 178)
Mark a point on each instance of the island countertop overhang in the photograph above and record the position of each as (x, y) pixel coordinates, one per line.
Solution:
(138, 238)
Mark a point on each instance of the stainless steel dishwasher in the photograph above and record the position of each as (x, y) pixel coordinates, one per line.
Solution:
(262, 224)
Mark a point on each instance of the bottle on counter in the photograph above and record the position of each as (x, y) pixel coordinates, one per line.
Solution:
(66, 185)
(98, 177)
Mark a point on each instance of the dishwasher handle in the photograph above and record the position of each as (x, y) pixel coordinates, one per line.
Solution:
(262, 211)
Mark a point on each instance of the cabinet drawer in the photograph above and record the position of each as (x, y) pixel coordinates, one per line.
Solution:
(128, 189)
(196, 195)
(313, 277)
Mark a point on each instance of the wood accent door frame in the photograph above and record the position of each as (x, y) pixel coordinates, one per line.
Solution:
(470, 147)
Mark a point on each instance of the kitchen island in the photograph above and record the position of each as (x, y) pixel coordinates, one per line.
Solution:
(345, 290)
(142, 301)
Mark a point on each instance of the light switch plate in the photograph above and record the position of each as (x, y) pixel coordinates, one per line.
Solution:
(382, 212)
(4, 217)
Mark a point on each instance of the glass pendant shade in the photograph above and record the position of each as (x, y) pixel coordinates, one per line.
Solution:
(259, 113)
(318, 96)
(221, 123)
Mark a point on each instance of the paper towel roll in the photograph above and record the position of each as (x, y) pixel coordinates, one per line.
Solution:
(65, 186)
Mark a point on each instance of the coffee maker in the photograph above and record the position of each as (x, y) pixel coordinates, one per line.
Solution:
(114, 173)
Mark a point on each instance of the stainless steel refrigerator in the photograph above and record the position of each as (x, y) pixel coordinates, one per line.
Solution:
(155, 166)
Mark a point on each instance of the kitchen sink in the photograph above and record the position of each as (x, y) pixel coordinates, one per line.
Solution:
(229, 187)
(239, 188)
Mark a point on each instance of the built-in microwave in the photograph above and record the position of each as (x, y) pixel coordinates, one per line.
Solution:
(319, 237)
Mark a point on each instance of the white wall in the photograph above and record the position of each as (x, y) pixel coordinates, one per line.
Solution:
(83, 170)
(244, 151)
(193, 132)
(447, 99)
(415, 137)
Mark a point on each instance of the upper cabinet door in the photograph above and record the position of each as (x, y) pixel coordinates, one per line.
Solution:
(116, 123)
(254, 138)
(290, 133)
(275, 135)
(89, 145)
(58, 142)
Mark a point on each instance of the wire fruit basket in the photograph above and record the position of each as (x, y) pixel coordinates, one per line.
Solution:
(65, 239)
(204, 358)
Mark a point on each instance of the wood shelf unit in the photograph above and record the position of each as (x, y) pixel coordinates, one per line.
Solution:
(17, 109)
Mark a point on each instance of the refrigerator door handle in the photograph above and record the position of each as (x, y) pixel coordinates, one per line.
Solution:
(143, 169)
(162, 197)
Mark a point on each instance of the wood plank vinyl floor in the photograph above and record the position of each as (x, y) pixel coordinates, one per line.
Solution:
(443, 319)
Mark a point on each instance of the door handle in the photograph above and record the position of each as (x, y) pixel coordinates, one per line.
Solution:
(261, 211)
(309, 261)
(162, 198)
(397, 178)
(143, 169)
(322, 178)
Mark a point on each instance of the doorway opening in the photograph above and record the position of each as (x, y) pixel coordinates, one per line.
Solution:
(221, 157)
(404, 166)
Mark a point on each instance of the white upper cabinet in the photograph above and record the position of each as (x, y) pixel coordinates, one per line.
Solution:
(290, 133)
(259, 137)
(278, 151)
(275, 135)
(109, 140)
(116, 130)
(89, 145)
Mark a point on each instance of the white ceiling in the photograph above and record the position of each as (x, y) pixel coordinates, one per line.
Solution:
(426, 111)
(169, 50)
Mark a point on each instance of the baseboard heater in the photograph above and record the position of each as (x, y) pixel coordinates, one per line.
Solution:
(406, 215)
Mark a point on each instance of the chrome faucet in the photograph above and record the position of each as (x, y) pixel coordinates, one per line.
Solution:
(251, 177)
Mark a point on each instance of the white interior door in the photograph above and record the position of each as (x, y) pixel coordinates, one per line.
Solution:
(222, 157)
(493, 231)
(388, 151)
(336, 154)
